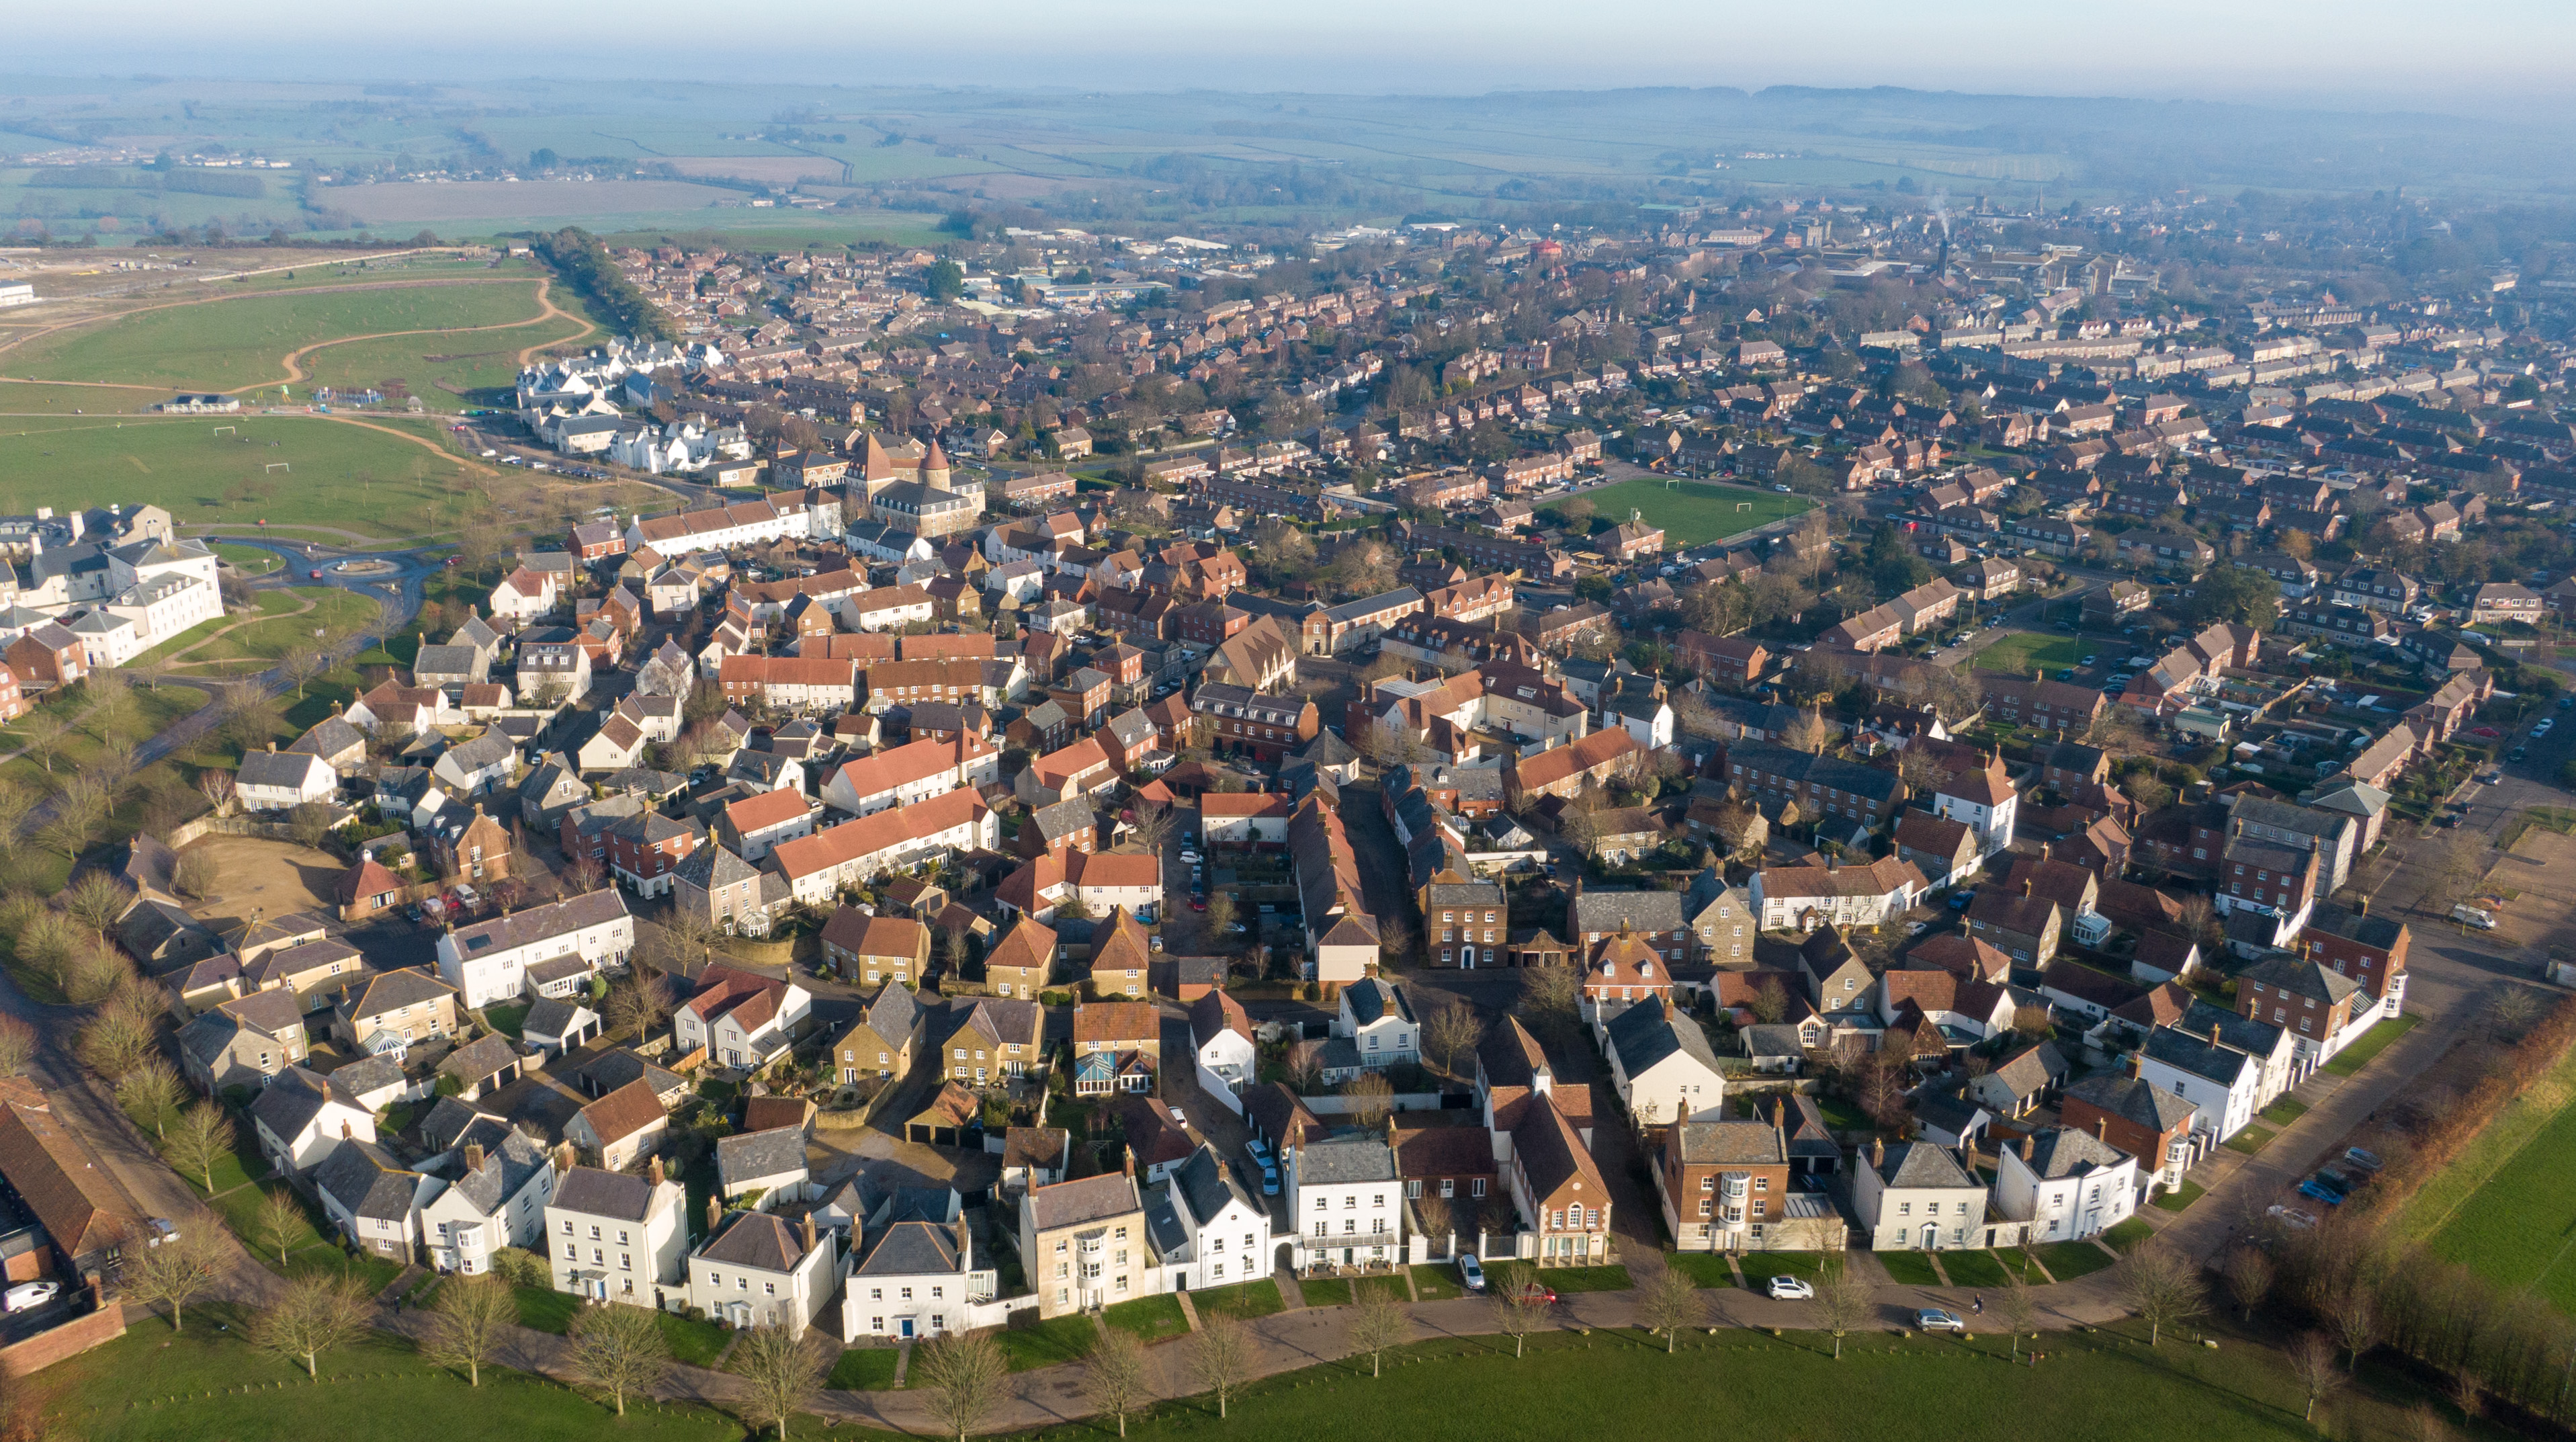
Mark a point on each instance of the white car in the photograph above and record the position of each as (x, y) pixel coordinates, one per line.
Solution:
(27, 1295)
(1191, 857)
(1791, 1289)
(2542, 729)
(1471, 1273)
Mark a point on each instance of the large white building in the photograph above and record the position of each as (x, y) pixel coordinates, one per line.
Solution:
(489, 961)
(1345, 1201)
(760, 1271)
(2067, 1184)
(1206, 1229)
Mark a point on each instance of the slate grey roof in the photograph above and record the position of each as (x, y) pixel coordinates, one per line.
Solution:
(596, 1193)
(756, 1240)
(1063, 819)
(2029, 1072)
(1372, 1000)
(1345, 1159)
(614, 1069)
(1605, 911)
(2133, 1099)
(276, 768)
(538, 923)
(1732, 1144)
(387, 991)
(2299, 977)
(910, 1249)
(452, 1123)
(710, 867)
(368, 1074)
(1921, 1164)
(445, 661)
(1951, 1112)
(482, 1057)
(1770, 1040)
(549, 1018)
(2067, 1151)
(287, 1105)
(363, 1178)
(2197, 1055)
(1077, 1203)
(329, 737)
(506, 1169)
(1205, 1184)
(1163, 1226)
(1643, 1036)
(2254, 1038)
(750, 1156)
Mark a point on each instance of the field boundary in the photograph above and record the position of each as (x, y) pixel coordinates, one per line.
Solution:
(2504, 1138)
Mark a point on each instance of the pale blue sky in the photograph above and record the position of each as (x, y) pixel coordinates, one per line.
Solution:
(2492, 57)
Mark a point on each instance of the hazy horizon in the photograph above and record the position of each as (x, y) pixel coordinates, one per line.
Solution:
(2503, 60)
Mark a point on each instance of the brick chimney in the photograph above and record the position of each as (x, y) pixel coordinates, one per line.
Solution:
(806, 1232)
(2137, 1066)
(2102, 1129)
(2029, 1145)
(1878, 1152)
(653, 1171)
(715, 1212)
(473, 1156)
(2213, 1033)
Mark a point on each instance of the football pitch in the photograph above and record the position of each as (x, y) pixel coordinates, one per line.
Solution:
(1693, 513)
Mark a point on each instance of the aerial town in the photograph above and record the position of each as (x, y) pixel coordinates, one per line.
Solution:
(1839, 766)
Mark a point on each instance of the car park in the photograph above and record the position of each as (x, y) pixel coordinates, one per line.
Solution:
(2312, 1188)
(2363, 1158)
(1791, 1289)
(1937, 1319)
(2089, 660)
(1471, 1272)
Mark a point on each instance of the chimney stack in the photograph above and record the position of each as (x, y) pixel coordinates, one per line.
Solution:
(2213, 1033)
(2363, 905)
(1878, 1151)
(715, 1212)
(2029, 1145)
(346, 1134)
(653, 1171)
(2102, 1129)
(2137, 1066)
(807, 1231)
(473, 1156)
(960, 1225)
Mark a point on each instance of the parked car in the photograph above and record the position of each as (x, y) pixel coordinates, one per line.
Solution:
(2328, 1195)
(2291, 1216)
(2089, 660)
(2543, 728)
(2346, 1182)
(1190, 856)
(2367, 1160)
(28, 1295)
(2491, 778)
(1962, 900)
(2485, 732)
(1935, 1319)
(1537, 1294)
(2477, 917)
(1471, 1273)
(2448, 821)
(1791, 1289)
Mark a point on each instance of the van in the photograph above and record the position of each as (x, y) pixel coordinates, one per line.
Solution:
(2478, 917)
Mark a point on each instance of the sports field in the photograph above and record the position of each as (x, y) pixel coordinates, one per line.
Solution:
(382, 479)
(2026, 651)
(268, 340)
(2506, 1206)
(1693, 513)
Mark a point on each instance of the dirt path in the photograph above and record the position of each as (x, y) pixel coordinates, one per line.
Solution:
(177, 658)
(293, 360)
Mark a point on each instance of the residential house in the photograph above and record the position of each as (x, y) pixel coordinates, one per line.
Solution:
(1916, 1196)
(2067, 1184)
(880, 1040)
(744, 1020)
(1083, 1244)
(1662, 1066)
(1344, 1203)
(490, 961)
(1723, 1185)
(300, 1116)
(759, 1271)
(1206, 1228)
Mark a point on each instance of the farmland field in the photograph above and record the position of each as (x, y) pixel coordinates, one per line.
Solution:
(2506, 1206)
(237, 344)
(1694, 513)
(382, 478)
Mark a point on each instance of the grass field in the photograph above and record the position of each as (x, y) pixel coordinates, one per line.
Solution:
(1151, 1318)
(2028, 651)
(1708, 1269)
(863, 1369)
(382, 478)
(1910, 1269)
(235, 344)
(2129, 1235)
(1760, 1267)
(1693, 513)
(2506, 1206)
(1973, 1269)
(256, 645)
(1437, 1282)
(1562, 1280)
(1048, 1343)
(249, 560)
(1246, 1300)
(2180, 1198)
(2067, 1261)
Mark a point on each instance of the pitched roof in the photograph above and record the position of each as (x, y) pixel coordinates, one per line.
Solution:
(1084, 1201)
(1216, 1013)
(1643, 1036)
(1921, 1164)
(624, 1112)
(749, 1156)
(758, 1241)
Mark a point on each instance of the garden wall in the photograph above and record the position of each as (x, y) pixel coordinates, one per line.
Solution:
(72, 1338)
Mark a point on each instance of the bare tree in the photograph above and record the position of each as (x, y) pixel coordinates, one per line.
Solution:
(1372, 1100)
(43, 736)
(2161, 1287)
(17, 1046)
(1378, 1323)
(203, 1138)
(279, 1223)
(1431, 1215)
(2249, 1279)
(217, 784)
(150, 1093)
(619, 1350)
(1809, 732)
(96, 899)
(1115, 1378)
(1670, 1303)
(2312, 1362)
(301, 666)
(2463, 866)
(2423, 1424)
(1842, 1300)
(1517, 1313)
(177, 1272)
(639, 1002)
(2355, 1319)
(1450, 1031)
(310, 822)
(473, 1318)
(1549, 991)
(314, 1315)
(1221, 1357)
(964, 1374)
(195, 873)
(2020, 1309)
(782, 1369)
(1153, 825)
(1770, 1002)
(1916, 767)
(118, 1036)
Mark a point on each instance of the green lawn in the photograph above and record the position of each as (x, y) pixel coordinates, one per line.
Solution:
(1912, 1269)
(2506, 1205)
(864, 1369)
(2129, 1235)
(544, 1309)
(1561, 1280)
(1708, 1269)
(2067, 1261)
(2028, 651)
(1437, 1282)
(2180, 1197)
(249, 560)
(2285, 1111)
(2252, 1139)
(240, 1211)
(1150, 1318)
(201, 1384)
(1247, 1299)
(1973, 1269)
(1760, 1267)
(2011, 1260)
(506, 1016)
(1394, 1287)
(1692, 513)
(2374, 1041)
(235, 343)
(1048, 1343)
(257, 645)
(694, 1342)
(384, 479)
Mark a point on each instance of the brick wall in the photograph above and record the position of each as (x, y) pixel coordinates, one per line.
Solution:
(68, 1340)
